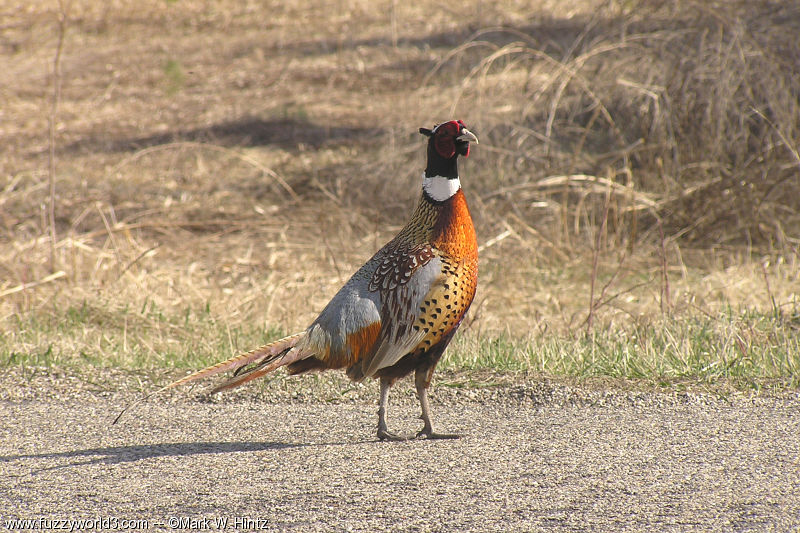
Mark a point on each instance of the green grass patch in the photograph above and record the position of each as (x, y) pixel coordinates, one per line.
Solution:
(747, 348)
(92, 334)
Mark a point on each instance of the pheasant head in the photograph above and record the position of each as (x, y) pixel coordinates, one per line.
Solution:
(446, 141)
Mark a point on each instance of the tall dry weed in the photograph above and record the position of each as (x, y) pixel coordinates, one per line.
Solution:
(692, 109)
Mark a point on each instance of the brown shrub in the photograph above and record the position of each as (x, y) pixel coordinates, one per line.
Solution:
(692, 107)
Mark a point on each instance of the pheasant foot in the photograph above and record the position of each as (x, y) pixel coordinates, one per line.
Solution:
(428, 433)
(384, 434)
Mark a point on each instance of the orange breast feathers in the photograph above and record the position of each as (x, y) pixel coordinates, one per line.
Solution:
(454, 233)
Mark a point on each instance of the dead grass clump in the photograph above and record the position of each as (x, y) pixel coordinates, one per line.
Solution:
(221, 169)
(693, 107)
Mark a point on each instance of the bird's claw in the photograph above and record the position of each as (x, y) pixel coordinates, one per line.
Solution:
(429, 434)
(426, 433)
(384, 434)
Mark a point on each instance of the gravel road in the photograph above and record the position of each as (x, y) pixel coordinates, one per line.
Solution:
(532, 458)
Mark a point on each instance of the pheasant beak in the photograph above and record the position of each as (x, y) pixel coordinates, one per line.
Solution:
(467, 136)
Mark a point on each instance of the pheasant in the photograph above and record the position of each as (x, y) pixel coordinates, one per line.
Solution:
(400, 310)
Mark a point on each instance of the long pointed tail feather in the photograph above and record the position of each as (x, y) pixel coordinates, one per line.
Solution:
(266, 368)
(266, 353)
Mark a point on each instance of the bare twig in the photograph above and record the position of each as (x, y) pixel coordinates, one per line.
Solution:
(494, 240)
(47, 279)
(394, 24)
(784, 138)
(147, 252)
(595, 259)
(775, 307)
(666, 300)
(52, 119)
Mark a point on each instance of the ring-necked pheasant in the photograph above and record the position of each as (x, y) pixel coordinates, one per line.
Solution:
(400, 310)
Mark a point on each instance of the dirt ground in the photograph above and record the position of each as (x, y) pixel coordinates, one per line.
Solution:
(532, 457)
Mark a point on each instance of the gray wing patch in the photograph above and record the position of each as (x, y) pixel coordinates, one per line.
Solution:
(351, 309)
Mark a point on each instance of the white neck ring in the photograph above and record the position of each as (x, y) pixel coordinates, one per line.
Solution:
(440, 188)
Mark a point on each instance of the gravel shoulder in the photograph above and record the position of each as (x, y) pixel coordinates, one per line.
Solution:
(533, 456)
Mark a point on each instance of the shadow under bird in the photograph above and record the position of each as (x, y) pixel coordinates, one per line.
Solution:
(398, 312)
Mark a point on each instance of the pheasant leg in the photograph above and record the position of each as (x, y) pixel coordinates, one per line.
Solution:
(383, 431)
(422, 382)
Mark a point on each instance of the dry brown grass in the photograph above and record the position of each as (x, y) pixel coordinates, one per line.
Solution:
(245, 158)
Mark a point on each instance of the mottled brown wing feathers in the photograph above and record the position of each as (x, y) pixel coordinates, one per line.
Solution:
(400, 312)
(399, 265)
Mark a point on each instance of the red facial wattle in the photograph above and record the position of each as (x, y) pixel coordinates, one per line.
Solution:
(445, 139)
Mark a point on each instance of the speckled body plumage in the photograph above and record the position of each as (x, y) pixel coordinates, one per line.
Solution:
(399, 311)
(404, 300)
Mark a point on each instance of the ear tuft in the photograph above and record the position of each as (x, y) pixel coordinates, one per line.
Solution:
(426, 132)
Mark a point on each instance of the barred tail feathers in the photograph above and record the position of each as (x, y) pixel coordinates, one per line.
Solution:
(267, 351)
(268, 366)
